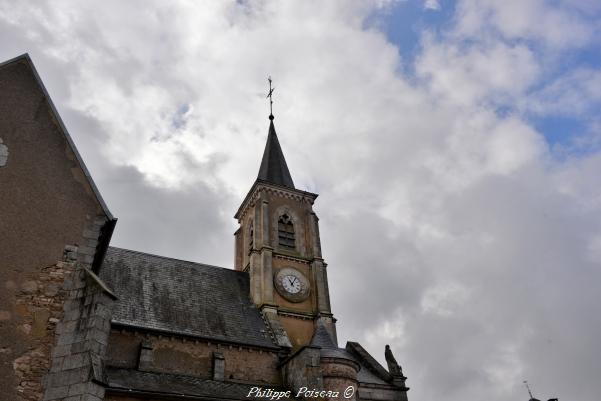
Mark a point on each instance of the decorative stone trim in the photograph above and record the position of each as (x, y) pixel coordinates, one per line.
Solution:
(292, 258)
(150, 336)
(298, 315)
(255, 194)
(276, 330)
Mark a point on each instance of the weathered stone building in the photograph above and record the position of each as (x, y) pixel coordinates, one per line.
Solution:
(80, 320)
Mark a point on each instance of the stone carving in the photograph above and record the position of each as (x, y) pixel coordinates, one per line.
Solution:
(393, 367)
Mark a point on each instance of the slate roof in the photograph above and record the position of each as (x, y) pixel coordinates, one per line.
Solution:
(186, 298)
(367, 376)
(371, 370)
(188, 387)
(321, 337)
(273, 168)
(368, 372)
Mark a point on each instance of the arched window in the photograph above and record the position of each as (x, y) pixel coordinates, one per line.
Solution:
(286, 232)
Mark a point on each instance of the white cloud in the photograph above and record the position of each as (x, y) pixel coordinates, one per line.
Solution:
(573, 94)
(432, 5)
(477, 252)
(557, 27)
(444, 299)
(495, 72)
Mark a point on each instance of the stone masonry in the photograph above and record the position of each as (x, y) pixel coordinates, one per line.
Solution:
(81, 340)
(39, 304)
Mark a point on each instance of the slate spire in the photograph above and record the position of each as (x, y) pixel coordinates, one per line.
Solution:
(273, 168)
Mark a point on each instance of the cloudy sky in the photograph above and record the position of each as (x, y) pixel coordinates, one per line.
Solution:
(456, 147)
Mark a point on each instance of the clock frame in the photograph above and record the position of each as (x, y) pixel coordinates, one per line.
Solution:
(291, 284)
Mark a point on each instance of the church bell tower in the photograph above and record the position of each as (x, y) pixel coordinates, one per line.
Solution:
(278, 244)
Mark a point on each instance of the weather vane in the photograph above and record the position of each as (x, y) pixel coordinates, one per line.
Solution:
(528, 387)
(270, 96)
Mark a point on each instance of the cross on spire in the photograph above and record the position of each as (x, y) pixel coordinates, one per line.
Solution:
(270, 96)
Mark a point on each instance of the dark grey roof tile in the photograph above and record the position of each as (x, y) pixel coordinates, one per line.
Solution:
(273, 168)
(129, 380)
(170, 295)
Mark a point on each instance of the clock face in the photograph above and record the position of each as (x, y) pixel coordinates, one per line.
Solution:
(291, 284)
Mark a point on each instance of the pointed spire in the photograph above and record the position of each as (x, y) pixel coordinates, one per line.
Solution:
(273, 168)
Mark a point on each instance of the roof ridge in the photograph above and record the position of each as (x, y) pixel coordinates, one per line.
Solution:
(175, 259)
(24, 56)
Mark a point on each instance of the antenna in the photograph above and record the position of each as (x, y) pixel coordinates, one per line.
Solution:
(528, 387)
(270, 96)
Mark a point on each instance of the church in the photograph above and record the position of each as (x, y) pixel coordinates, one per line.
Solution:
(81, 320)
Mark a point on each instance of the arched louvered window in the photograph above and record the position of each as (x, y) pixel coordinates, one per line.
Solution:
(286, 232)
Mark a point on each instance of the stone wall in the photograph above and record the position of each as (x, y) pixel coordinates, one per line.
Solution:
(340, 374)
(38, 308)
(303, 369)
(380, 393)
(81, 340)
(49, 202)
(180, 355)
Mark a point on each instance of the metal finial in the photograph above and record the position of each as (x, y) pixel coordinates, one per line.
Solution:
(528, 387)
(270, 96)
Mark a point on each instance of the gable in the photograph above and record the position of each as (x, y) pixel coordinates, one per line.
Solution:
(52, 197)
(23, 65)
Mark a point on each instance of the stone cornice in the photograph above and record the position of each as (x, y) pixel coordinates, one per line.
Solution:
(172, 336)
(254, 193)
(299, 315)
(292, 258)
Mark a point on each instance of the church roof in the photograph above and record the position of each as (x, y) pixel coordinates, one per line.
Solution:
(273, 168)
(367, 373)
(130, 381)
(368, 362)
(183, 298)
(321, 337)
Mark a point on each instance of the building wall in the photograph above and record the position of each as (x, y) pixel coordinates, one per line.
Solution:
(379, 393)
(81, 340)
(39, 306)
(194, 358)
(46, 203)
(300, 331)
(339, 375)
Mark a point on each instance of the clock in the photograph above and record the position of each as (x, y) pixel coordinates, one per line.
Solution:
(291, 284)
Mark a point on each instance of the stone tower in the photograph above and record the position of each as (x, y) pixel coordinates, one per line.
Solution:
(278, 244)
